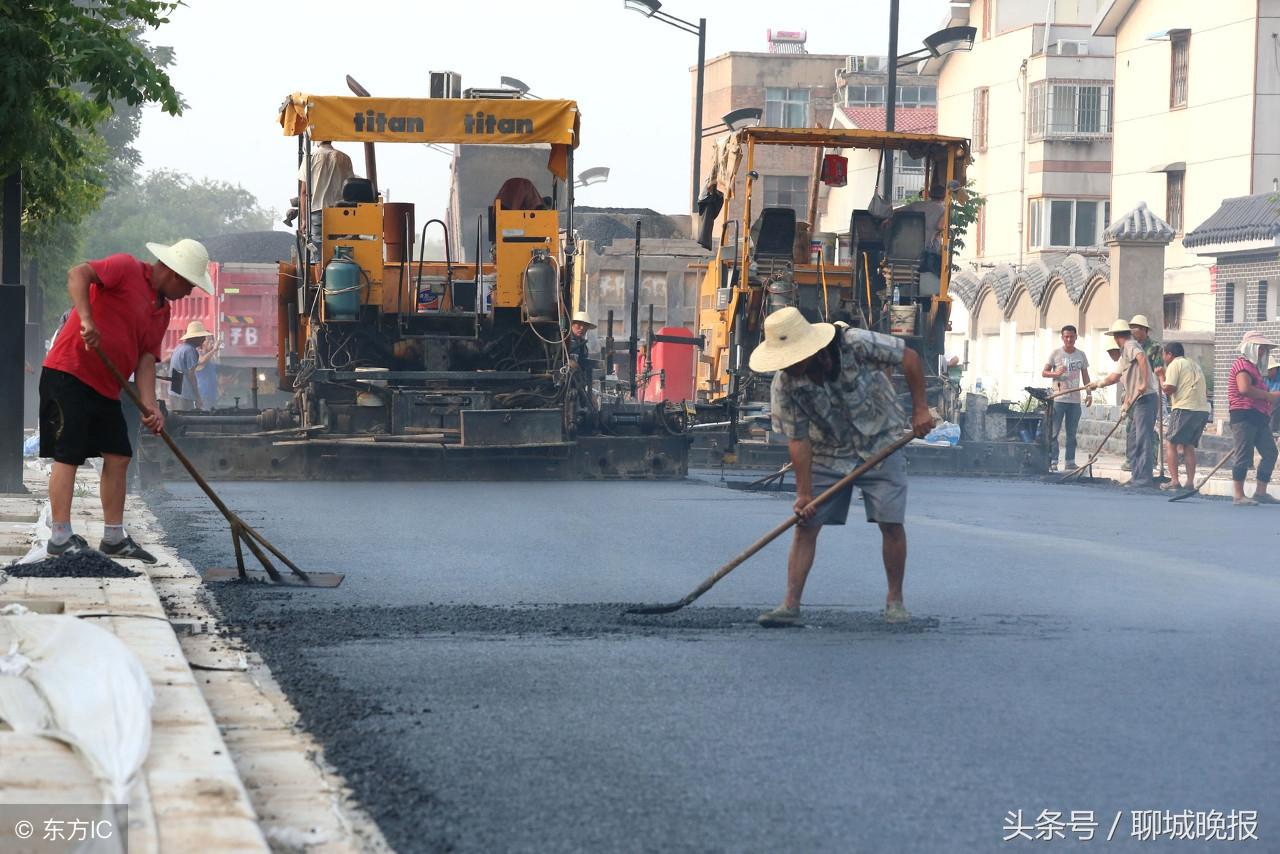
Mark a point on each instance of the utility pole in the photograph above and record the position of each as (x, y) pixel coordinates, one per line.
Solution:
(891, 97)
(13, 315)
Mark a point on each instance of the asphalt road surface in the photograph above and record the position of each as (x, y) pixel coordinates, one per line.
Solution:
(1073, 649)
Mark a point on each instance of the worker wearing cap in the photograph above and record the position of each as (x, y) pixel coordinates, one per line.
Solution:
(121, 305)
(1140, 402)
(1141, 329)
(833, 399)
(1250, 403)
(184, 388)
(578, 350)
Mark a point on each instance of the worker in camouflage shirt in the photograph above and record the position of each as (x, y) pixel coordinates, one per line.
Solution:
(834, 401)
(1141, 329)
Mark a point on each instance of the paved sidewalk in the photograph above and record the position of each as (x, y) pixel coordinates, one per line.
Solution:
(226, 771)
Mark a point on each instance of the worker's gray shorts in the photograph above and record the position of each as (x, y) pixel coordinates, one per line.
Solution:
(884, 494)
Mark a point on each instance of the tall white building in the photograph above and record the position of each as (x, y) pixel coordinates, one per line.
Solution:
(1036, 96)
(1197, 121)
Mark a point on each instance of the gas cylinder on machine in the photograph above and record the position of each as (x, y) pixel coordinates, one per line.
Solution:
(541, 287)
(342, 287)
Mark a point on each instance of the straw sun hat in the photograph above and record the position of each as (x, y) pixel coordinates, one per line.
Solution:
(188, 258)
(583, 317)
(1119, 326)
(789, 338)
(195, 329)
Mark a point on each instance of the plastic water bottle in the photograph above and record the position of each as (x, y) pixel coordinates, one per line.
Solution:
(897, 300)
(977, 387)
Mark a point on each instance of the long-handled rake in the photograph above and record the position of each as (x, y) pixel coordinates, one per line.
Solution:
(720, 573)
(1190, 492)
(1101, 445)
(241, 531)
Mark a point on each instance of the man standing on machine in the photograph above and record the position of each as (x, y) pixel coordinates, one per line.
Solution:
(833, 399)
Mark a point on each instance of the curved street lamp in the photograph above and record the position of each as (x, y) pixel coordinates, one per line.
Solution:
(594, 175)
(653, 9)
(743, 117)
(518, 85)
(942, 42)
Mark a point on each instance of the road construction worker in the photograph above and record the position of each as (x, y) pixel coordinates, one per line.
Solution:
(121, 306)
(184, 393)
(578, 351)
(833, 399)
(1140, 401)
(330, 170)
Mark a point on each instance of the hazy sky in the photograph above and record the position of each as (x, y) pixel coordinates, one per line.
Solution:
(238, 59)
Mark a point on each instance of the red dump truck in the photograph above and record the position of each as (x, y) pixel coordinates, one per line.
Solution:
(242, 314)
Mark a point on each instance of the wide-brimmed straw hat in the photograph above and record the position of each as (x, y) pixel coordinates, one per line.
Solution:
(788, 339)
(1253, 336)
(1120, 326)
(188, 258)
(1140, 320)
(583, 317)
(195, 329)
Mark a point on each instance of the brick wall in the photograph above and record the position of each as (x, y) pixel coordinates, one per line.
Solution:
(1245, 272)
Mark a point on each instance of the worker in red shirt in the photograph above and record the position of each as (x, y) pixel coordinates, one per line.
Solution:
(121, 305)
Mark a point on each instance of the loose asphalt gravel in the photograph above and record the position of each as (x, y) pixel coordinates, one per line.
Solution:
(1073, 648)
(84, 564)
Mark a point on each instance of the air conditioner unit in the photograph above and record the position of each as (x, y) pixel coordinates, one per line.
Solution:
(1067, 47)
(850, 64)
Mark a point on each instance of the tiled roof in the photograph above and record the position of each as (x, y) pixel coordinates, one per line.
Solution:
(1242, 218)
(1140, 225)
(905, 119)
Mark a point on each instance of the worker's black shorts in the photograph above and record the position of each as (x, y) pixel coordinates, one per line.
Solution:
(1186, 426)
(77, 422)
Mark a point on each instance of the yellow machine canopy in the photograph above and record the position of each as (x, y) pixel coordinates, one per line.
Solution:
(467, 121)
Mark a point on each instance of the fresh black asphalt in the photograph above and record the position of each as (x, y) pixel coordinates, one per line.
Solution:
(1073, 648)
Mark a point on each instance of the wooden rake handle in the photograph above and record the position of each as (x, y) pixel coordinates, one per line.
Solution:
(782, 528)
(239, 529)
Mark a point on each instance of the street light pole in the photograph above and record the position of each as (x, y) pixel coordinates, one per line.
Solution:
(653, 9)
(891, 97)
(697, 114)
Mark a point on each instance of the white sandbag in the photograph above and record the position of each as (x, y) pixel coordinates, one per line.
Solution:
(98, 695)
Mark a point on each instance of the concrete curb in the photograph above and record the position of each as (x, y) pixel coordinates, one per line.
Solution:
(227, 771)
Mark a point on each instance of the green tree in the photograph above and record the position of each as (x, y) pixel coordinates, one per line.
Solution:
(65, 62)
(964, 212)
(165, 206)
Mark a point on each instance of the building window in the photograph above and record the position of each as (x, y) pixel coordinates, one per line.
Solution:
(1174, 188)
(1179, 65)
(1173, 310)
(1066, 223)
(917, 96)
(1273, 301)
(786, 108)
(988, 18)
(1264, 312)
(1065, 110)
(864, 96)
(1234, 310)
(980, 239)
(981, 98)
(908, 175)
(787, 191)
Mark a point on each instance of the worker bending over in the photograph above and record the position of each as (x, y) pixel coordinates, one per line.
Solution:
(834, 401)
(122, 306)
